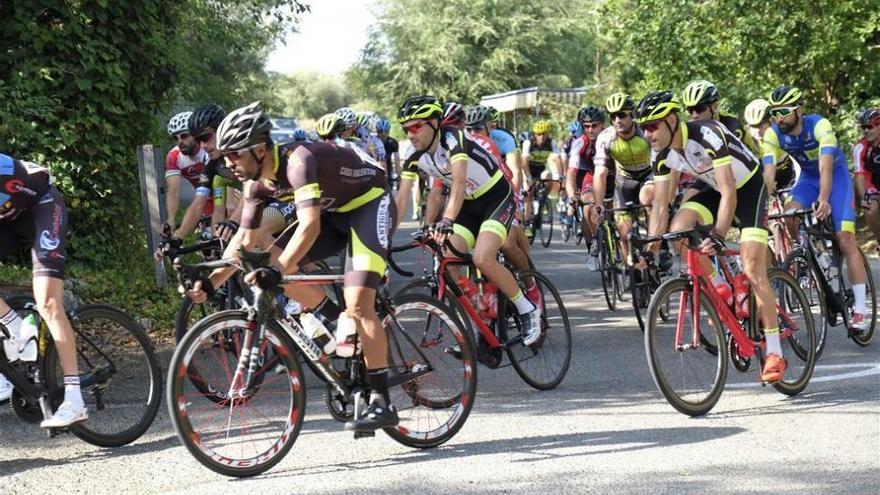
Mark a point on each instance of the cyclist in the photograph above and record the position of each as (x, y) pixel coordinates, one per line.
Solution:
(866, 157)
(711, 153)
(777, 175)
(375, 146)
(330, 127)
(579, 178)
(480, 208)
(453, 116)
(824, 183)
(540, 152)
(186, 159)
(214, 178)
(33, 210)
(341, 202)
(300, 135)
(349, 133)
(392, 149)
(622, 147)
(575, 131)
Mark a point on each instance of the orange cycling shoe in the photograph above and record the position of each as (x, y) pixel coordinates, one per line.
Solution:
(774, 368)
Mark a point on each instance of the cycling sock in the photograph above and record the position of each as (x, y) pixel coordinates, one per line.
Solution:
(328, 310)
(772, 338)
(859, 296)
(379, 386)
(12, 322)
(72, 393)
(523, 305)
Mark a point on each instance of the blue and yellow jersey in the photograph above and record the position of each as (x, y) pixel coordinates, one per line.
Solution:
(817, 138)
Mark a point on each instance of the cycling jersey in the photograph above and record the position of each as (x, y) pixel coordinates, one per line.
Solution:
(537, 154)
(816, 138)
(214, 180)
(32, 209)
(631, 157)
(483, 169)
(504, 139)
(708, 145)
(866, 162)
(582, 154)
(734, 125)
(335, 178)
(190, 167)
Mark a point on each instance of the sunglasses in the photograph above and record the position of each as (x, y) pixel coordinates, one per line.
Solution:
(697, 109)
(205, 137)
(650, 126)
(867, 127)
(414, 127)
(621, 115)
(236, 155)
(781, 112)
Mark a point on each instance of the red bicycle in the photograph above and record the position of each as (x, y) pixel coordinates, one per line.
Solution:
(692, 330)
(779, 233)
(478, 303)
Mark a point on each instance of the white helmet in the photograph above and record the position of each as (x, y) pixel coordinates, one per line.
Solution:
(348, 116)
(179, 123)
(756, 111)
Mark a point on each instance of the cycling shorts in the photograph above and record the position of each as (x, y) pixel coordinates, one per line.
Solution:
(492, 212)
(627, 190)
(784, 178)
(44, 227)
(843, 209)
(365, 233)
(751, 208)
(587, 185)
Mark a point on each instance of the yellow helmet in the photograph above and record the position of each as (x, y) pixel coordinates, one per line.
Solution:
(656, 105)
(619, 102)
(699, 92)
(785, 96)
(541, 127)
(756, 111)
(329, 124)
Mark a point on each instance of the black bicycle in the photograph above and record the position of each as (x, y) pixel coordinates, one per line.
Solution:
(615, 276)
(817, 264)
(118, 370)
(252, 354)
(540, 224)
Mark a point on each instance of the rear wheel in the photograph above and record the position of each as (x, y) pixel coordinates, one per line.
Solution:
(797, 332)
(864, 338)
(545, 222)
(805, 275)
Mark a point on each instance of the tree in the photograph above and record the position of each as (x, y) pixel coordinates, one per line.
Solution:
(310, 94)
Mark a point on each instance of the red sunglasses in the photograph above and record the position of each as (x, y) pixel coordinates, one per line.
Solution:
(650, 126)
(414, 127)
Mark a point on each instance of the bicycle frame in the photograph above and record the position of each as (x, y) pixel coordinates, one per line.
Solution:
(445, 281)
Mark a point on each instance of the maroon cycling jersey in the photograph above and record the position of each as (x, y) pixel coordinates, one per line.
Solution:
(22, 185)
(337, 179)
(866, 162)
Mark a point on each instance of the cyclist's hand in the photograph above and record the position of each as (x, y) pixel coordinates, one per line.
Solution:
(712, 244)
(201, 290)
(600, 211)
(570, 211)
(226, 229)
(821, 209)
(168, 243)
(441, 230)
(266, 278)
(641, 263)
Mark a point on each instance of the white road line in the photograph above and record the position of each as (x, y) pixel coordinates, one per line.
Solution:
(872, 369)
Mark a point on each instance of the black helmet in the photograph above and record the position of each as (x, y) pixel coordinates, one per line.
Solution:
(419, 107)
(656, 105)
(869, 116)
(244, 127)
(477, 116)
(785, 96)
(591, 113)
(206, 118)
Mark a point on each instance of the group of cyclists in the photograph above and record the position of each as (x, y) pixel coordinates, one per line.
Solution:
(346, 187)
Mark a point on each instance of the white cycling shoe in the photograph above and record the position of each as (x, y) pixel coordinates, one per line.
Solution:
(66, 415)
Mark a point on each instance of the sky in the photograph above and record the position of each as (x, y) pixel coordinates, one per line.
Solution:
(315, 48)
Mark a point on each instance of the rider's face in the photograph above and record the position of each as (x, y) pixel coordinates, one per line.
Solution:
(757, 131)
(658, 132)
(245, 164)
(593, 129)
(420, 133)
(872, 133)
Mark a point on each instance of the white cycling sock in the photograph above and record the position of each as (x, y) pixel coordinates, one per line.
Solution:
(523, 305)
(12, 322)
(859, 296)
(72, 393)
(774, 346)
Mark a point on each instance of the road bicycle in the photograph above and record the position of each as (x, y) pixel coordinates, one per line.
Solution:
(688, 347)
(781, 243)
(119, 374)
(816, 263)
(254, 354)
(493, 319)
(612, 268)
(540, 224)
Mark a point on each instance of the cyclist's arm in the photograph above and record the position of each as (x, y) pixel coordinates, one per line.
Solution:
(827, 147)
(172, 197)
(664, 187)
(191, 217)
(570, 176)
(600, 175)
(456, 191)
(727, 187)
(516, 170)
(770, 177)
(305, 235)
(433, 205)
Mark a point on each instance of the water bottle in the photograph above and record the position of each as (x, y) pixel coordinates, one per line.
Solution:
(741, 295)
(346, 336)
(470, 290)
(833, 276)
(318, 332)
(489, 301)
(28, 350)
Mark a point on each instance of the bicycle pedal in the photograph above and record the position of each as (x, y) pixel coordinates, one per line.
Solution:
(364, 434)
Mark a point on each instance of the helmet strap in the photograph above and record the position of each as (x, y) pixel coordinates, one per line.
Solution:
(673, 132)
(436, 130)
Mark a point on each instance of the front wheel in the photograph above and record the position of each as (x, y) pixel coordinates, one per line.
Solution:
(688, 363)
(607, 271)
(545, 222)
(797, 332)
(864, 338)
(805, 274)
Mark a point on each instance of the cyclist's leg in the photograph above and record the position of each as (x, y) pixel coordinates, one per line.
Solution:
(700, 209)
(844, 216)
(589, 222)
(872, 218)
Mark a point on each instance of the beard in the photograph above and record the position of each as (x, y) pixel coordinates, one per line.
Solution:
(786, 127)
(188, 149)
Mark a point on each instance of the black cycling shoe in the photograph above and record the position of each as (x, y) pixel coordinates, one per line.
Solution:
(376, 417)
(665, 260)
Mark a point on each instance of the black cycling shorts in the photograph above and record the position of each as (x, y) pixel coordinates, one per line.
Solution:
(44, 227)
(491, 212)
(751, 208)
(627, 190)
(366, 234)
(784, 177)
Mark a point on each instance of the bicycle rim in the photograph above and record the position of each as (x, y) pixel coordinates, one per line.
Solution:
(796, 330)
(691, 377)
(605, 269)
(251, 430)
(546, 223)
(805, 274)
(423, 334)
(864, 339)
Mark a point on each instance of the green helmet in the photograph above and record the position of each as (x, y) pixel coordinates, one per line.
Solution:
(656, 105)
(785, 96)
(419, 107)
(699, 92)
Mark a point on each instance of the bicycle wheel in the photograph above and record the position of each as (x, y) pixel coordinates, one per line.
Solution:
(545, 224)
(864, 339)
(689, 372)
(119, 375)
(423, 335)
(188, 314)
(797, 332)
(254, 428)
(544, 364)
(641, 294)
(606, 270)
(799, 265)
(566, 224)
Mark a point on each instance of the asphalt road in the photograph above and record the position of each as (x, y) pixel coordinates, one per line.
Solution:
(606, 429)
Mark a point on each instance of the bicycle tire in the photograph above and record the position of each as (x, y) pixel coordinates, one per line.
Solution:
(804, 342)
(421, 286)
(606, 272)
(546, 221)
(864, 339)
(803, 269)
(641, 294)
(418, 389)
(653, 347)
(101, 428)
(520, 355)
(182, 408)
